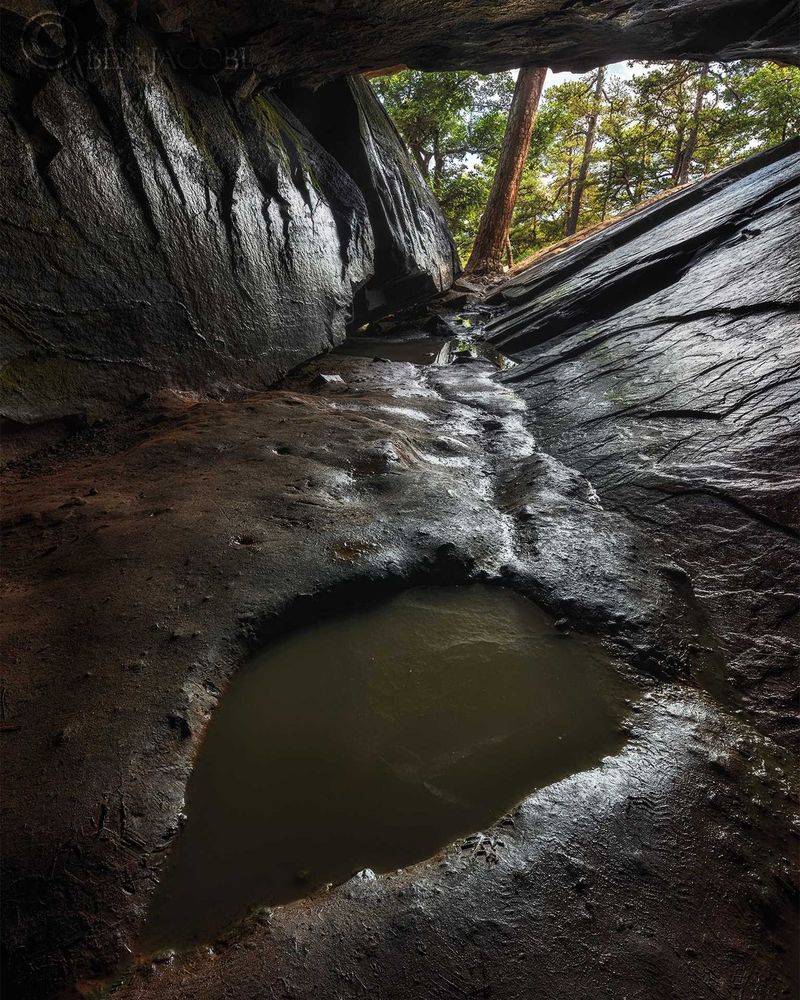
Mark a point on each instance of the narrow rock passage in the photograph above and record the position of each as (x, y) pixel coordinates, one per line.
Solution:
(198, 200)
(636, 475)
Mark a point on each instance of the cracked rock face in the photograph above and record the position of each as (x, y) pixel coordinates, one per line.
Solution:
(660, 359)
(157, 233)
(414, 255)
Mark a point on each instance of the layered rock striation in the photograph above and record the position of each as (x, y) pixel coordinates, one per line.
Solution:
(660, 358)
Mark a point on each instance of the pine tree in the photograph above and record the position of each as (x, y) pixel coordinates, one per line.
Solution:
(583, 171)
(687, 148)
(492, 238)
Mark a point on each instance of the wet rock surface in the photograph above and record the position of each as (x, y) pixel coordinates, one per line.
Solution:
(160, 232)
(657, 873)
(210, 526)
(207, 525)
(636, 474)
(659, 361)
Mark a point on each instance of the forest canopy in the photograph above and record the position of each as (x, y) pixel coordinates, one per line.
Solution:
(662, 126)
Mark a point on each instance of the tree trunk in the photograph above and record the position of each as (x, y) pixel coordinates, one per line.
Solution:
(568, 198)
(607, 188)
(583, 172)
(678, 158)
(680, 134)
(495, 224)
(438, 166)
(694, 131)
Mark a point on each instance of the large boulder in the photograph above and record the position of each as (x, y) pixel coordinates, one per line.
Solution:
(157, 232)
(414, 254)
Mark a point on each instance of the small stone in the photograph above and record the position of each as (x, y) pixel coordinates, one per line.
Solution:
(323, 381)
(246, 539)
(72, 502)
(674, 571)
(434, 324)
(455, 299)
(464, 284)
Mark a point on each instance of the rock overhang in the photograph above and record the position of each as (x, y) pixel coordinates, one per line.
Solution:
(314, 42)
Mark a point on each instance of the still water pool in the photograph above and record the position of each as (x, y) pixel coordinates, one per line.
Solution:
(372, 740)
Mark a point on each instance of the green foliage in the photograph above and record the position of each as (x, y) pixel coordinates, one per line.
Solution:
(768, 99)
(453, 125)
(653, 132)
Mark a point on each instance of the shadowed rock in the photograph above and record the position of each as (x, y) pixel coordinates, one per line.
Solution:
(414, 254)
(317, 41)
(159, 234)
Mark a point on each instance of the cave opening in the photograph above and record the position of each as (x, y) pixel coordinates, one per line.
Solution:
(227, 229)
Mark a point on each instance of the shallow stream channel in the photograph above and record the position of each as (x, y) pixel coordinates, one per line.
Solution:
(374, 739)
(463, 343)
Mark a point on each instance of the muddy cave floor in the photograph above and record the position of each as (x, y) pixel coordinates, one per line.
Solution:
(146, 558)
